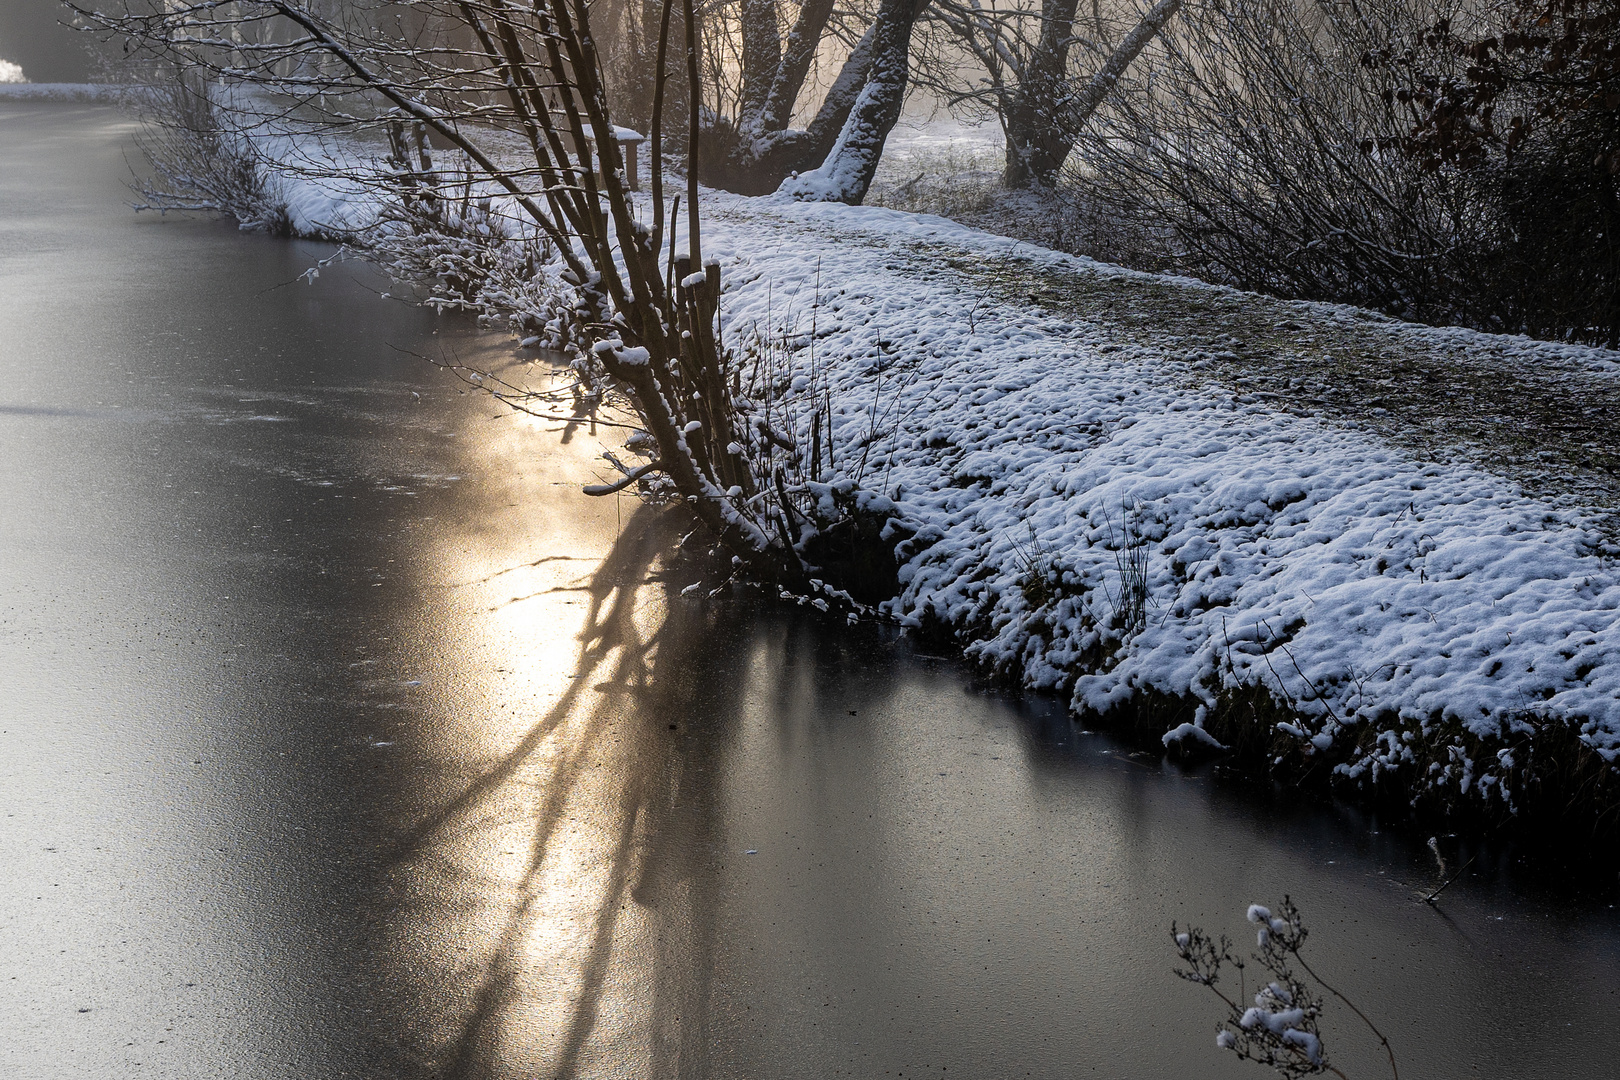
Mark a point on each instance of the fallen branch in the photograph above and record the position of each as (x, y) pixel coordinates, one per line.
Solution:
(629, 478)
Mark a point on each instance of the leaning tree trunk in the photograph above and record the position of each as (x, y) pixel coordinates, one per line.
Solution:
(847, 171)
(766, 151)
(1066, 123)
(798, 53)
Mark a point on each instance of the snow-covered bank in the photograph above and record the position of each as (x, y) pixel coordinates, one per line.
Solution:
(1088, 512)
(1091, 521)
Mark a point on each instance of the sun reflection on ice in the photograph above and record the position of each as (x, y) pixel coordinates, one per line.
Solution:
(522, 874)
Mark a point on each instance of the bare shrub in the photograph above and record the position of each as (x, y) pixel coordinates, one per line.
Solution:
(1269, 144)
(1554, 268)
(1238, 139)
(200, 158)
(516, 96)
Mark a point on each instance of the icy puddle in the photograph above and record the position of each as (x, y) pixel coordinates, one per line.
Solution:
(360, 743)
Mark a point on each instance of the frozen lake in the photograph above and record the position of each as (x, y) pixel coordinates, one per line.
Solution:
(340, 735)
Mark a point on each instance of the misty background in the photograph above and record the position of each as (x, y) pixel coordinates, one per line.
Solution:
(32, 35)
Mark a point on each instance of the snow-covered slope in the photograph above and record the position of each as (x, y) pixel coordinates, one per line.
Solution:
(1091, 518)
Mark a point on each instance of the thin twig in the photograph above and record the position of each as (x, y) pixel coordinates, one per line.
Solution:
(1382, 1041)
(1447, 883)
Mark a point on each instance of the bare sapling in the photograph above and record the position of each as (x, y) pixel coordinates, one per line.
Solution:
(500, 169)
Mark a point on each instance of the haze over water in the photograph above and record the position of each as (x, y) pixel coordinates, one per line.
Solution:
(340, 735)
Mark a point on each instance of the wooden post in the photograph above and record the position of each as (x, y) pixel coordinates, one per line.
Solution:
(628, 141)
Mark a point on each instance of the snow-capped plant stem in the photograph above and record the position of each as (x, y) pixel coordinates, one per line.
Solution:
(1281, 1028)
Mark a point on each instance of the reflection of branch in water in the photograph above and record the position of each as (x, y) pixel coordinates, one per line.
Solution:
(601, 948)
(587, 407)
(543, 592)
(648, 840)
(525, 566)
(609, 626)
(609, 629)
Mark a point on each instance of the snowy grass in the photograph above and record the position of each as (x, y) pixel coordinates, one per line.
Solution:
(938, 165)
(1332, 601)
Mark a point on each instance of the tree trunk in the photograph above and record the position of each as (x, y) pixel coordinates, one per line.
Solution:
(1036, 140)
(798, 53)
(761, 56)
(847, 171)
(1041, 128)
(760, 158)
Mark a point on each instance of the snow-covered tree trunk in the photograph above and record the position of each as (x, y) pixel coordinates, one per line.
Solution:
(767, 150)
(798, 53)
(761, 54)
(849, 166)
(842, 94)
